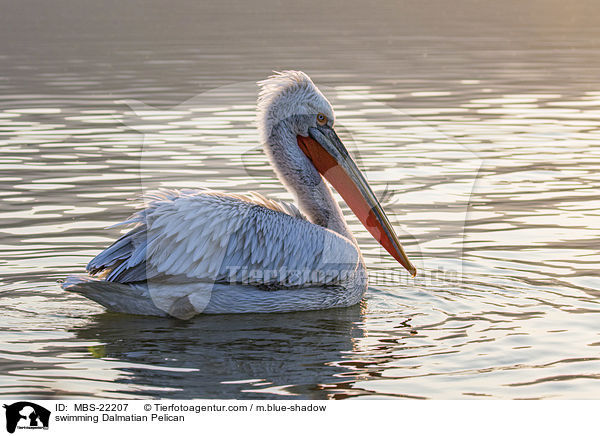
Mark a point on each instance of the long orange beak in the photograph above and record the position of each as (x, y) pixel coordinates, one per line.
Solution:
(329, 156)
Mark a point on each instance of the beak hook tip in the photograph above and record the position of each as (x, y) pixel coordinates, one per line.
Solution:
(413, 271)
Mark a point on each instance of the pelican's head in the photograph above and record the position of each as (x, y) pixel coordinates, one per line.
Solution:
(293, 98)
(290, 102)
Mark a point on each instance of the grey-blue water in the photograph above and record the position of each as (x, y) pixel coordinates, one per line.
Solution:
(476, 123)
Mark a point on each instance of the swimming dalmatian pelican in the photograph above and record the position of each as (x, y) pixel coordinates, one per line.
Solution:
(200, 251)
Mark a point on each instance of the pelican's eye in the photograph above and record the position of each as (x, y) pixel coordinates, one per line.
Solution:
(321, 119)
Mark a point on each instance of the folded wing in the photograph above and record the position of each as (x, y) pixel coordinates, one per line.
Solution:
(203, 236)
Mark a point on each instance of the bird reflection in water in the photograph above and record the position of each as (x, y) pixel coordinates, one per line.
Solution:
(248, 356)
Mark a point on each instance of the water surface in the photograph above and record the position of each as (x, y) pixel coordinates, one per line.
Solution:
(478, 128)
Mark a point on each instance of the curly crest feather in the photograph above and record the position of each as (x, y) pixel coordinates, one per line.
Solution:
(285, 94)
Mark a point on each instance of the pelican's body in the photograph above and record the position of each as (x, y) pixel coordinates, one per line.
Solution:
(200, 251)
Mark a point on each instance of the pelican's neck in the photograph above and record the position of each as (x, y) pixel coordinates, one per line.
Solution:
(301, 178)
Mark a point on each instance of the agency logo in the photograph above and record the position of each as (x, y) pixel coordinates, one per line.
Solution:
(26, 415)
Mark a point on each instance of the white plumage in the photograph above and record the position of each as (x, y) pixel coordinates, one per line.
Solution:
(200, 251)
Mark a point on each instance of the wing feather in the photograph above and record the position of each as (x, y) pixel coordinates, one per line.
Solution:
(212, 237)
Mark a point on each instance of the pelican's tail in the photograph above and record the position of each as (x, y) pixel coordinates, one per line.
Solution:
(116, 297)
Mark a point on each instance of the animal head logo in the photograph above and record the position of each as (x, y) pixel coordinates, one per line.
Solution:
(24, 414)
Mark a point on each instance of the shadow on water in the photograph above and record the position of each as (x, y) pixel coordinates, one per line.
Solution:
(229, 356)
